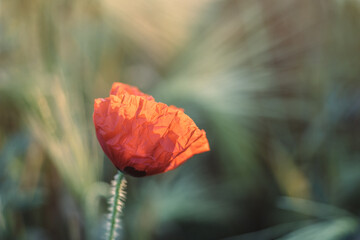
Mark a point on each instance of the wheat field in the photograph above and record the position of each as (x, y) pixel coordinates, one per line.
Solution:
(274, 83)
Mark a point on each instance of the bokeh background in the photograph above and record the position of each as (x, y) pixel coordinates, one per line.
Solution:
(275, 84)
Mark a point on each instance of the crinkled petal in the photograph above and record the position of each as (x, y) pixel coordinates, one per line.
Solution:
(120, 88)
(143, 137)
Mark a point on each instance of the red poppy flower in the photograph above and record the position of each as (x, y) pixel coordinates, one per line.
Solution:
(143, 137)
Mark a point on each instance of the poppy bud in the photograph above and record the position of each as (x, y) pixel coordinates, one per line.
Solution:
(143, 137)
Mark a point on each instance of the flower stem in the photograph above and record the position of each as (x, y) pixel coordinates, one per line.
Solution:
(116, 205)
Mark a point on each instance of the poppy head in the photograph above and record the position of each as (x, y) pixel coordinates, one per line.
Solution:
(143, 137)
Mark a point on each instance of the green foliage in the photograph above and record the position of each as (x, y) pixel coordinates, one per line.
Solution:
(332, 230)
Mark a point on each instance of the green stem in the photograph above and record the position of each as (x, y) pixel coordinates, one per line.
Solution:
(114, 210)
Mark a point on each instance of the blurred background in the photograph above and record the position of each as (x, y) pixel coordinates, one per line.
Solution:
(275, 84)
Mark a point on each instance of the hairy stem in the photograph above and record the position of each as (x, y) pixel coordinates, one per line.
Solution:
(116, 205)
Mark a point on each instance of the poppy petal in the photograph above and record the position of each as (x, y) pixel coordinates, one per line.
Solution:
(143, 137)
